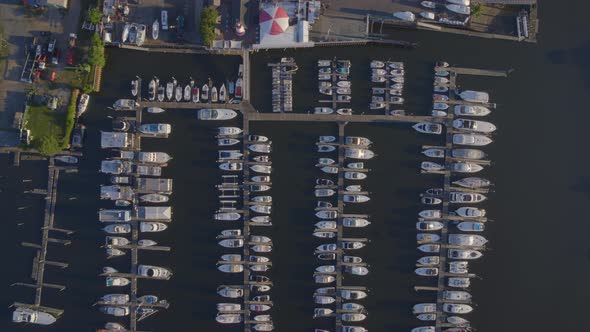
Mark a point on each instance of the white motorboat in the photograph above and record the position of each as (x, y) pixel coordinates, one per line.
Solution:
(423, 329)
(424, 308)
(355, 222)
(261, 178)
(431, 166)
(115, 311)
(439, 113)
(216, 114)
(474, 125)
(396, 100)
(257, 138)
(327, 139)
(459, 9)
(324, 192)
(440, 97)
(377, 64)
(83, 103)
(358, 165)
(355, 176)
(229, 131)
(352, 245)
(230, 166)
(133, 33)
(464, 254)
(343, 91)
(352, 259)
(231, 257)
(376, 106)
(324, 77)
(378, 79)
(459, 267)
(229, 318)
(475, 96)
(431, 200)
(116, 241)
(466, 197)
(454, 308)
(441, 89)
(428, 4)
(264, 209)
(261, 169)
(263, 327)
(326, 256)
(125, 105)
(378, 91)
(344, 111)
(178, 93)
(355, 198)
(113, 252)
(261, 199)
(125, 33)
(30, 316)
(67, 159)
(155, 128)
(440, 106)
(149, 226)
(426, 317)
(324, 63)
(222, 93)
(326, 214)
(115, 298)
(232, 243)
(428, 128)
(468, 154)
(326, 161)
(117, 229)
(473, 182)
(356, 270)
(427, 271)
(170, 88)
(460, 2)
(343, 98)
(229, 155)
(326, 269)
(196, 94)
(405, 16)
(321, 299)
(155, 110)
(470, 212)
(213, 94)
(434, 153)
(471, 139)
(231, 232)
(471, 226)
(467, 240)
(325, 235)
(326, 148)
(429, 226)
(228, 307)
(141, 33)
(349, 294)
(471, 110)
(356, 153)
(352, 317)
(397, 79)
(441, 72)
(430, 214)
(465, 167)
(231, 268)
(261, 248)
(347, 328)
(117, 282)
(326, 224)
(430, 248)
(396, 72)
(260, 148)
(458, 321)
(230, 291)
(357, 140)
(456, 295)
(155, 272)
(227, 216)
(154, 198)
(428, 15)
(327, 247)
(205, 92)
(429, 260)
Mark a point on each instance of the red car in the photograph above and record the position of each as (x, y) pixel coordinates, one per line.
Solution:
(70, 57)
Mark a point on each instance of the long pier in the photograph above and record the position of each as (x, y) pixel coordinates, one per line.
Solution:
(340, 232)
(246, 226)
(40, 261)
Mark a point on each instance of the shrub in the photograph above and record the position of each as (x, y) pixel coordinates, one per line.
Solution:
(94, 15)
(49, 146)
(96, 53)
(70, 119)
(209, 18)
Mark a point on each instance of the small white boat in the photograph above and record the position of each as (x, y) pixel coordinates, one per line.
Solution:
(260, 148)
(428, 15)
(426, 317)
(326, 148)
(352, 317)
(434, 153)
(264, 209)
(471, 226)
(222, 93)
(430, 166)
(428, 4)
(427, 237)
(459, 9)
(125, 33)
(67, 159)
(423, 308)
(377, 64)
(214, 95)
(428, 128)
(321, 299)
(115, 311)
(117, 282)
(343, 91)
(155, 128)
(231, 257)
(397, 72)
(326, 269)
(263, 327)
(155, 110)
(325, 235)
(429, 226)
(230, 291)
(232, 243)
(117, 229)
(205, 92)
(470, 212)
(178, 93)
(154, 198)
(356, 270)
(228, 307)
(473, 182)
(231, 268)
(376, 106)
(229, 318)
(405, 16)
(344, 111)
(427, 271)
(326, 161)
(359, 165)
(161, 93)
(146, 243)
(459, 267)
(170, 89)
(352, 245)
(261, 199)
(468, 154)
(431, 200)
(261, 248)
(456, 295)
(229, 131)
(324, 63)
(356, 140)
(355, 198)
(378, 79)
(464, 254)
(454, 308)
(471, 139)
(261, 178)
(431, 214)
(423, 329)
(227, 216)
(355, 222)
(261, 169)
(475, 96)
(464, 197)
(356, 153)
(152, 226)
(231, 166)
(441, 89)
(474, 125)
(83, 103)
(30, 316)
(348, 294)
(326, 224)
(440, 106)
(326, 214)
(327, 139)
(429, 248)
(327, 247)
(464, 167)
(467, 240)
(429, 260)
(257, 138)
(355, 175)
(227, 141)
(471, 110)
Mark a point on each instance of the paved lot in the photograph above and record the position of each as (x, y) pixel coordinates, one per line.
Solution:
(19, 28)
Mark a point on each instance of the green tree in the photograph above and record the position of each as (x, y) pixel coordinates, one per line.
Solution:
(49, 146)
(94, 15)
(209, 17)
(96, 52)
(476, 10)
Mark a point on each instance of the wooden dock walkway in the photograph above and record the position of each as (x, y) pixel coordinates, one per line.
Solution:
(187, 105)
(340, 229)
(246, 226)
(366, 118)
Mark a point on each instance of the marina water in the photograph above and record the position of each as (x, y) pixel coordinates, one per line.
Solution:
(534, 275)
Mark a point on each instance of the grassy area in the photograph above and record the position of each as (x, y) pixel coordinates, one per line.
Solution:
(46, 127)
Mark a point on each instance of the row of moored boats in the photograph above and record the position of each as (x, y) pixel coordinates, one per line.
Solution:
(463, 242)
(334, 255)
(253, 260)
(391, 74)
(282, 85)
(333, 80)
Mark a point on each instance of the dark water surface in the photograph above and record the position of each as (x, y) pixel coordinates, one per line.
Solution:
(534, 277)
